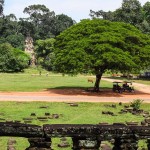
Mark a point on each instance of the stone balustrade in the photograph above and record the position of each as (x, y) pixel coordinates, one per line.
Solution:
(84, 136)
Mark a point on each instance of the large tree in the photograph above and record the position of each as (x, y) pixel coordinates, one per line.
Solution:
(97, 45)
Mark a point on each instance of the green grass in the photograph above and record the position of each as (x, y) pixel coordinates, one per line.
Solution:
(147, 82)
(85, 113)
(142, 81)
(31, 81)
(28, 82)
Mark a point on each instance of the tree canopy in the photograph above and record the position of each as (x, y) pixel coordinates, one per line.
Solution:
(10, 32)
(97, 45)
(12, 59)
(44, 52)
(44, 23)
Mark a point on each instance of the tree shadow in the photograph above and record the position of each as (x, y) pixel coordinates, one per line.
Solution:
(84, 91)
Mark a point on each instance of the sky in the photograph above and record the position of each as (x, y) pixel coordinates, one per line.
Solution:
(76, 9)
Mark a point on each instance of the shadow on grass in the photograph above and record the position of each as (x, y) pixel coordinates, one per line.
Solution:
(87, 91)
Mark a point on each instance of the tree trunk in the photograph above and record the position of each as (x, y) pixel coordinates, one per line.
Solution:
(97, 82)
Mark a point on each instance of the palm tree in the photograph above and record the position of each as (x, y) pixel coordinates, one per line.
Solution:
(1, 7)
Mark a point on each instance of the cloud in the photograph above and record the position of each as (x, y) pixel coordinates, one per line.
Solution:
(76, 9)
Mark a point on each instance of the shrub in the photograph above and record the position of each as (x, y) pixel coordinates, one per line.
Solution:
(11, 59)
(136, 104)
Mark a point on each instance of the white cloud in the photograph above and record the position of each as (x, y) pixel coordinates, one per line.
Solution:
(77, 9)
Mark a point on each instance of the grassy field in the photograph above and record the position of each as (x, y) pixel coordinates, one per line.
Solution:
(144, 81)
(147, 82)
(30, 80)
(85, 113)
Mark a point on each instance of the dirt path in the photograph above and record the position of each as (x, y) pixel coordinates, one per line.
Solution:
(74, 95)
(79, 95)
(140, 87)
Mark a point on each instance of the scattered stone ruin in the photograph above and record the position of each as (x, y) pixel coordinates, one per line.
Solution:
(29, 49)
(84, 137)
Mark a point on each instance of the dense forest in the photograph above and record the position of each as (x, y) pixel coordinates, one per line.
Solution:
(43, 25)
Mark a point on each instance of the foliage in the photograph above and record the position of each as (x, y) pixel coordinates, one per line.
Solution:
(45, 23)
(136, 104)
(99, 45)
(16, 40)
(12, 59)
(131, 12)
(1, 7)
(21, 59)
(10, 32)
(41, 24)
(44, 52)
(62, 22)
(145, 25)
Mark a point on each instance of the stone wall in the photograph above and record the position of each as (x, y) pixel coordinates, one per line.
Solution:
(85, 136)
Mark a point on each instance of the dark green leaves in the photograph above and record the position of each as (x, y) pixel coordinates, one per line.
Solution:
(99, 44)
(12, 59)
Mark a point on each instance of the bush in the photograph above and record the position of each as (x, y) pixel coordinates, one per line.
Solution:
(11, 59)
(136, 104)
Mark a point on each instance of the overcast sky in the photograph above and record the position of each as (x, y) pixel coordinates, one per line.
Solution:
(76, 9)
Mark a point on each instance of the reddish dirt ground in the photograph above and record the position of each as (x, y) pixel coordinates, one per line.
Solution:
(79, 92)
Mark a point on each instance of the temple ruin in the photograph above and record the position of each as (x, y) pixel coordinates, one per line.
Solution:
(29, 49)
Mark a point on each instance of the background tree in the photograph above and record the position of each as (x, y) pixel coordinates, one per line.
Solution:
(44, 22)
(62, 22)
(41, 19)
(1, 7)
(44, 52)
(97, 45)
(12, 59)
(10, 31)
(145, 25)
(130, 11)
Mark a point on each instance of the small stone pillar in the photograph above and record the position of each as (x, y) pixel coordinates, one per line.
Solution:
(39, 144)
(86, 144)
(125, 144)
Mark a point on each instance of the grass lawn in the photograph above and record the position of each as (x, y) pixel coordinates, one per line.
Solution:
(34, 82)
(147, 82)
(85, 113)
(31, 81)
(144, 81)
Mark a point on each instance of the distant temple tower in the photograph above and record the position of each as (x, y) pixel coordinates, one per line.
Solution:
(29, 49)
